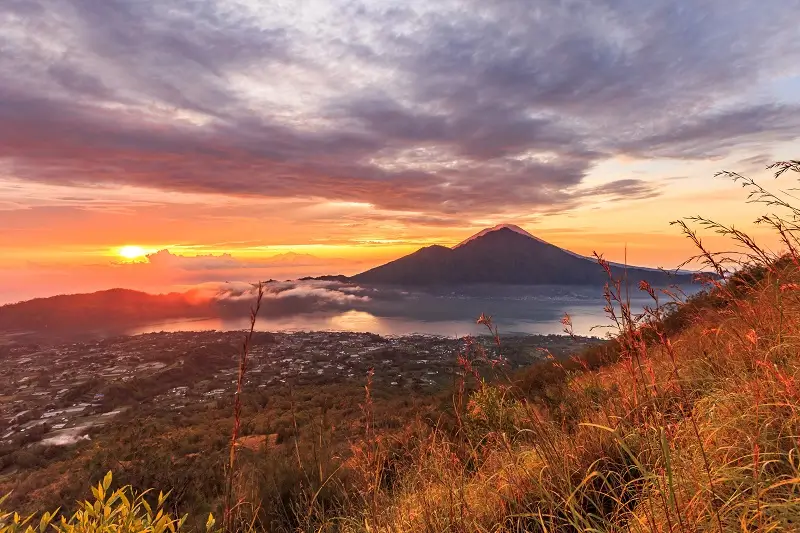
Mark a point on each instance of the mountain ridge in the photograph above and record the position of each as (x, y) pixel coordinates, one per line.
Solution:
(506, 254)
(512, 227)
(108, 309)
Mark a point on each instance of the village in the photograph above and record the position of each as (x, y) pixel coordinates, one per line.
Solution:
(58, 395)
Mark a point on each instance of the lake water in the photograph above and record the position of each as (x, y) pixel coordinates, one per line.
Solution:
(515, 310)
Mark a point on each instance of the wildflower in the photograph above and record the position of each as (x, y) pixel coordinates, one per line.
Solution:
(646, 287)
(603, 264)
(497, 362)
(566, 321)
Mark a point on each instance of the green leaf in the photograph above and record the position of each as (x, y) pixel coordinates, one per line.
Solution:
(107, 480)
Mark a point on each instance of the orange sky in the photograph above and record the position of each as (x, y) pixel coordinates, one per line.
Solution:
(70, 248)
(346, 134)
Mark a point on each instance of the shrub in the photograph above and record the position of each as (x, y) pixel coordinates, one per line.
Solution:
(118, 511)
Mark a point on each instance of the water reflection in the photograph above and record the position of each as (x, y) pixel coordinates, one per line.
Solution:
(526, 311)
(355, 321)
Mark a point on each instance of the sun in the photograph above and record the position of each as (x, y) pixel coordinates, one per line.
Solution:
(132, 252)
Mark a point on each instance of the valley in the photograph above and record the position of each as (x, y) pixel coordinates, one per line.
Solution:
(60, 401)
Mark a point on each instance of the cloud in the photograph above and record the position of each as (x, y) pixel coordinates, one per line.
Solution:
(627, 188)
(226, 261)
(326, 293)
(290, 297)
(430, 109)
(330, 291)
(719, 133)
(166, 259)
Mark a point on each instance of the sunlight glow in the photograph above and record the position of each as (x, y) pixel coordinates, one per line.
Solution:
(355, 321)
(132, 252)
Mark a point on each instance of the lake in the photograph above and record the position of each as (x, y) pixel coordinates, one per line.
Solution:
(452, 313)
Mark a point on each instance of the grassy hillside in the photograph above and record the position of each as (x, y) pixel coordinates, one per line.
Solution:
(687, 421)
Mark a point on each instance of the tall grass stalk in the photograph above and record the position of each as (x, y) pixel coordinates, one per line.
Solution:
(237, 410)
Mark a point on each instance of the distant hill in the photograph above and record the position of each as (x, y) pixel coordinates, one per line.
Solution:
(339, 278)
(114, 308)
(505, 254)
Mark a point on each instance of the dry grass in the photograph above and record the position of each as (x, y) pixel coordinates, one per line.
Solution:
(694, 430)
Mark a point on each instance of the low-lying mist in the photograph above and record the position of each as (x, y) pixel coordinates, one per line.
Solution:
(332, 305)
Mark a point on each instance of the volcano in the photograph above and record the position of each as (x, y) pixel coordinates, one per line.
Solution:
(507, 254)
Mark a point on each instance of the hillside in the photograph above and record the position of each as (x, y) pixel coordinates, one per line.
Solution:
(507, 255)
(114, 308)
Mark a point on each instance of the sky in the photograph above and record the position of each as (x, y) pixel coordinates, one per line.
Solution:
(244, 139)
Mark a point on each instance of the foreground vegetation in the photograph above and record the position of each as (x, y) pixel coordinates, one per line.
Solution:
(686, 421)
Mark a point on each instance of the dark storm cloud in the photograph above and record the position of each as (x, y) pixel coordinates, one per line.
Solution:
(501, 105)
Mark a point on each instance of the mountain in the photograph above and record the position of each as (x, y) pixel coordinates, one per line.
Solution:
(103, 310)
(512, 227)
(505, 254)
